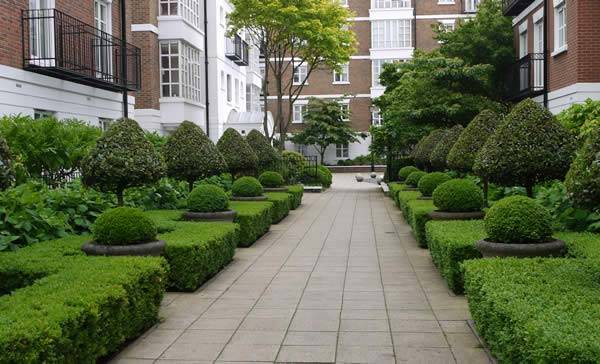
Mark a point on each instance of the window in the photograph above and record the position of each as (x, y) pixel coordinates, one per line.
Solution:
(378, 68)
(523, 45)
(444, 2)
(298, 115)
(181, 71)
(41, 33)
(103, 43)
(301, 148)
(223, 81)
(447, 25)
(237, 91)
(105, 123)
(560, 26)
(392, 4)
(538, 48)
(343, 2)
(229, 91)
(343, 75)
(189, 9)
(345, 108)
(341, 151)
(471, 6)
(41, 114)
(168, 7)
(392, 33)
(376, 117)
(300, 74)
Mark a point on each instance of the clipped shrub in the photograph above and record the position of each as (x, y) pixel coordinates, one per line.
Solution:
(190, 155)
(124, 226)
(122, 158)
(429, 182)
(293, 166)
(325, 176)
(268, 157)
(529, 147)
(271, 179)
(458, 195)
(404, 172)
(583, 179)
(297, 192)
(439, 155)
(417, 216)
(239, 156)
(518, 220)
(414, 178)
(207, 198)
(425, 147)
(254, 219)
(282, 203)
(247, 187)
(6, 172)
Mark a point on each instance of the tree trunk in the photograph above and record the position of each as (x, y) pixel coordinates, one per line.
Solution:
(486, 186)
(322, 156)
(120, 196)
(191, 184)
(529, 189)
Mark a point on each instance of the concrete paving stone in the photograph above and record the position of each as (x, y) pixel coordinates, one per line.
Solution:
(216, 323)
(252, 353)
(411, 314)
(262, 337)
(399, 325)
(190, 350)
(132, 361)
(306, 354)
(471, 356)
(365, 339)
(310, 338)
(265, 324)
(420, 339)
(365, 354)
(423, 355)
(283, 313)
(151, 345)
(463, 340)
(364, 314)
(316, 320)
(364, 325)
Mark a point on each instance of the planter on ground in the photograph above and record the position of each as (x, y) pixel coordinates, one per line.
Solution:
(249, 198)
(154, 248)
(208, 203)
(444, 215)
(555, 248)
(276, 189)
(458, 199)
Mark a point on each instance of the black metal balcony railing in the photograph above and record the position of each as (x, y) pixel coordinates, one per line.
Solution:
(526, 79)
(514, 7)
(61, 46)
(237, 50)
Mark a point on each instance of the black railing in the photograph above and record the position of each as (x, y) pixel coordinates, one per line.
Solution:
(61, 46)
(526, 78)
(514, 7)
(237, 50)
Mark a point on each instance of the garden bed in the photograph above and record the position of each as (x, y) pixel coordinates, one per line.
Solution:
(281, 205)
(254, 219)
(296, 191)
(417, 215)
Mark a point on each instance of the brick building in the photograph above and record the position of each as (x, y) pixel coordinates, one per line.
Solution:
(387, 31)
(558, 58)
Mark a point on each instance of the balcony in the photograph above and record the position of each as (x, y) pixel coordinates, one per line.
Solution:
(236, 50)
(58, 45)
(526, 79)
(515, 7)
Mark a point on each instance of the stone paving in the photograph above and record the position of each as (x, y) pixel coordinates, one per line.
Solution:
(341, 280)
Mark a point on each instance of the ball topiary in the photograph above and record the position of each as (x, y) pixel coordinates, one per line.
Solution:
(439, 155)
(268, 157)
(518, 220)
(405, 171)
(6, 172)
(271, 179)
(583, 179)
(238, 154)
(124, 226)
(247, 187)
(458, 195)
(325, 176)
(429, 182)
(413, 179)
(207, 198)
(529, 147)
(425, 147)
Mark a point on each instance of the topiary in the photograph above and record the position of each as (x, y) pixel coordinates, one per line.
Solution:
(529, 147)
(414, 178)
(583, 179)
(439, 155)
(429, 182)
(122, 158)
(458, 195)
(190, 155)
(6, 171)
(124, 226)
(425, 147)
(268, 157)
(518, 220)
(238, 154)
(207, 198)
(405, 171)
(325, 176)
(271, 179)
(293, 165)
(247, 187)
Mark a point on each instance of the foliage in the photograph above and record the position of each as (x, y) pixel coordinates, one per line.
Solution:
(403, 198)
(581, 119)
(439, 154)
(124, 226)
(157, 140)
(362, 160)
(529, 147)
(429, 182)
(207, 198)
(325, 176)
(294, 165)
(471, 140)
(518, 220)
(190, 155)
(281, 205)
(166, 194)
(224, 180)
(321, 176)
(238, 154)
(7, 175)
(247, 187)
(413, 179)
(268, 157)
(122, 158)
(583, 179)
(581, 244)
(297, 192)
(404, 172)
(254, 219)
(426, 146)
(458, 195)
(396, 137)
(271, 179)
(417, 215)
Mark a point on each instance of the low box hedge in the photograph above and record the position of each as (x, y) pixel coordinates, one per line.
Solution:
(403, 198)
(60, 306)
(282, 202)
(581, 245)
(417, 215)
(536, 310)
(254, 219)
(395, 187)
(297, 192)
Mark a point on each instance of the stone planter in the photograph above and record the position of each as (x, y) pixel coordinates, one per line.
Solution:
(154, 248)
(373, 175)
(276, 189)
(359, 178)
(425, 198)
(488, 249)
(228, 215)
(443, 215)
(410, 189)
(255, 198)
(379, 179)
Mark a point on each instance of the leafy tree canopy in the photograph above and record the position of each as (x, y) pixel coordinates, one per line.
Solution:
(6, 171)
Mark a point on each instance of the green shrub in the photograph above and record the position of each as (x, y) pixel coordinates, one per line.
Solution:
(166, 194)
(529, 147)
(282, 202)
(403, 198)
(224, 180)
(296, 191)
(271, 179)
(325, 176)
(207, 198)
(458, 195)
(417, 215)
(581, 244)
(583, 179)
(404, 172)
(536, 310)
(294, 164)
(268, 157)
(395, 188)
(190, 155)
(413, 179)
(581, 119)
(238, 154)
(423, 150)
(6, 171)
(124, 226)
(247, 187)
(518, 220)
(254, 219)
(429, 182)
(439, 155)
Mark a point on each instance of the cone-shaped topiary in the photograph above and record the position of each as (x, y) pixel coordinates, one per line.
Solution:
(124, 226)
(439, 155)
(422, 152)
(529, 147)
(406, 171)
(238, 154)
(122, 158)
(247, 187)
(190, 155)
(268, 157)
(583, 179)
(6, 172)
(458, 195)
(518, 220)
(207, 198)
(413, 179)
(271, 179)
(429, 182)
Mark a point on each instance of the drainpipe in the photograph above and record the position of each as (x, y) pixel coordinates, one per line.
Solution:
(124, 57)
(415, 25)
(546, 53)
(206, 68)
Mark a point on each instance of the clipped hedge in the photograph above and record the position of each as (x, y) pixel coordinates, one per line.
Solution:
(238, 154)
(297, 192)
(581, 244)
(417, 215)
(583, 179)
(429, 182)
(65, 307)
(282, 202)
(254, 219)
(403, 198)
(395, 188)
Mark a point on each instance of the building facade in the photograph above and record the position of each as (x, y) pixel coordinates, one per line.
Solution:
(558, 48)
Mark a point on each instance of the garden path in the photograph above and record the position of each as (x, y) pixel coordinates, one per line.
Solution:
(340, 280)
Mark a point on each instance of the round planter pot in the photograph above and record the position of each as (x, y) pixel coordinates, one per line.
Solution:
(276, 189)
(255, 198)
(154, 248)
(442, 215)
(373, 175)
(410, 189)
(425, 198)
(555, 248)
(359, 178)
(228, 215)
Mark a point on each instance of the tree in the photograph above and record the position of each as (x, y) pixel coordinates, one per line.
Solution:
(325, 125)
(190, 155)
(583, 179)
(238, 154)
(423, 150)
(122, 158)
(6, 172)
(439, 155)
(268, 157)
(294, 34)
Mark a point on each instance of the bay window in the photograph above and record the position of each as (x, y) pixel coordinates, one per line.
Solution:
(181, 71)
(395, 33)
